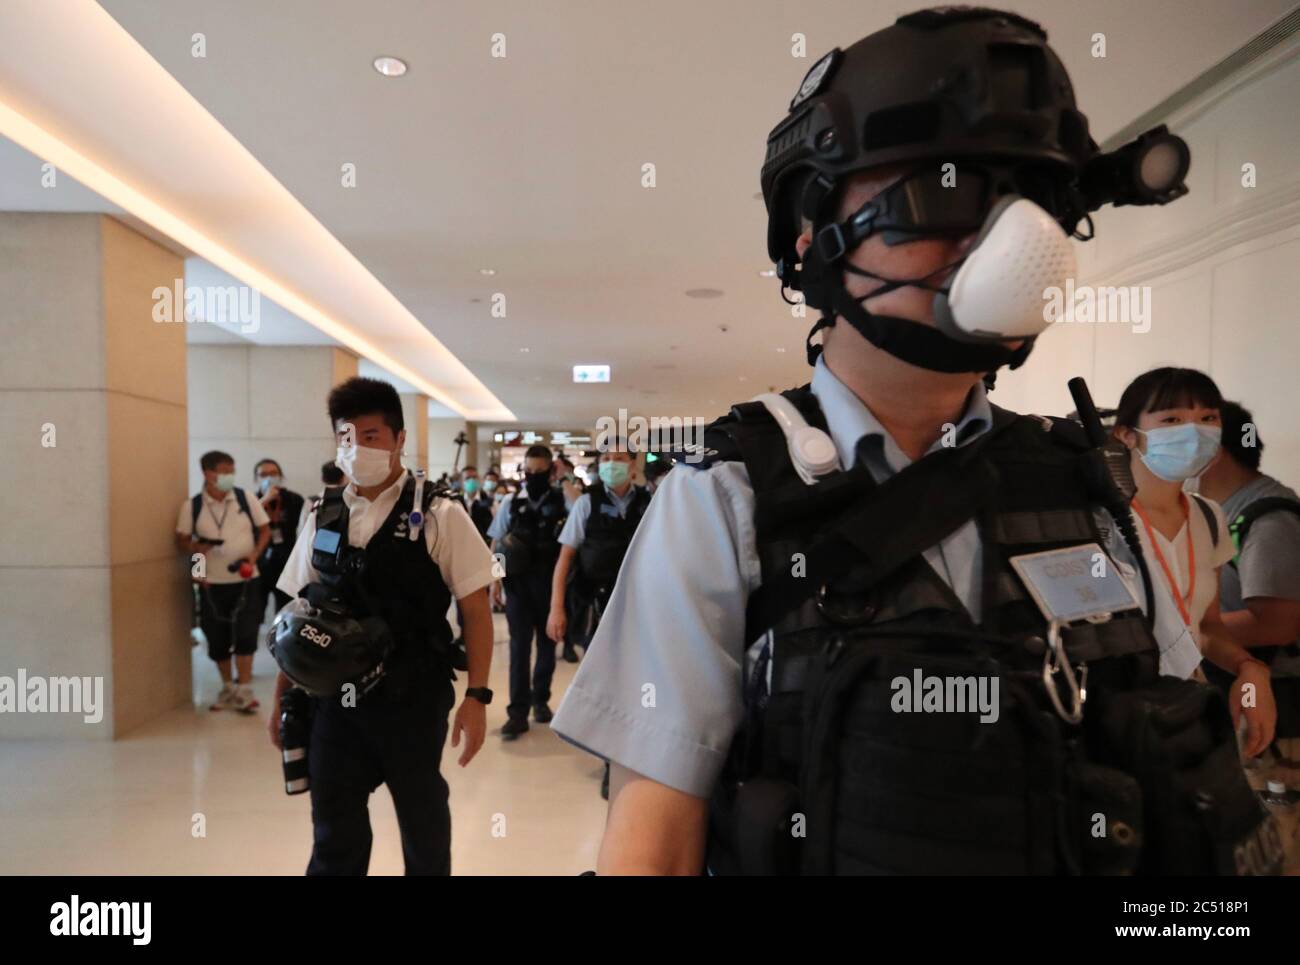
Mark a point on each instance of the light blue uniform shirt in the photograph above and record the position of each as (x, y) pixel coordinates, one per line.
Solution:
(660, 691)
(575, 527)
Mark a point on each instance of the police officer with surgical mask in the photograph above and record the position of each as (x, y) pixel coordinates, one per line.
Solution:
(409, 552)
(477, 499)
(822, 544)
(593, 543)
(525, 535)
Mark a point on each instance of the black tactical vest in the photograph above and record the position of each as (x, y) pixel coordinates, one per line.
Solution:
(833, 774)
(605, 542)
(397, 581)
(532, 540)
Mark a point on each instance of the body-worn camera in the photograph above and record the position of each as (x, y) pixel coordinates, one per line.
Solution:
(331, 555)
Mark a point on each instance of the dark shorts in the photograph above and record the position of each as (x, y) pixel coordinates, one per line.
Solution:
(229, 618)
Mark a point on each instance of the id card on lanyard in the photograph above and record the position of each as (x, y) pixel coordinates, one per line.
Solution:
(1184, 604)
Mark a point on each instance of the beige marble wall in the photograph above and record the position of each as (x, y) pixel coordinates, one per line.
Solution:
(89, 583)
(415, 415)
(257, 402)
(442, 450)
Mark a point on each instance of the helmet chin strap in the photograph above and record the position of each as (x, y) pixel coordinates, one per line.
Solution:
(913, 342)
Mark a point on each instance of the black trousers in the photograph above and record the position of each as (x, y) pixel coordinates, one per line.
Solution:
(528, 604)
(382, 740)
(229, 619)
(266, 589)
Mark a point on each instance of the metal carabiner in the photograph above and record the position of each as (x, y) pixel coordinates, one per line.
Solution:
(1055, 661)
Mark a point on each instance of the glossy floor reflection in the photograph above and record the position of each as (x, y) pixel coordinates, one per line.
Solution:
(129, 806)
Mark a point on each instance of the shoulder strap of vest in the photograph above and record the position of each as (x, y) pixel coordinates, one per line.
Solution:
(406, 500)
(596, 493)
(953, 484)
(332, 512)
(1210, 520)
(724, 437)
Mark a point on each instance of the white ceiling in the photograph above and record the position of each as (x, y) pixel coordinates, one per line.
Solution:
(531, 164)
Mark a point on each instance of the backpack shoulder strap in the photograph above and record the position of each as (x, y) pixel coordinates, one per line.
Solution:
(1210, 519)
(196, 507)
(1240, 526)
(242, 499)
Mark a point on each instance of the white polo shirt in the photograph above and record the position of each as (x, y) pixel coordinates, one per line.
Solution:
(222, 519)
(450, 536)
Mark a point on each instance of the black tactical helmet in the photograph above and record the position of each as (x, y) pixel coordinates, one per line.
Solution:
(321, 648)
(947, 84)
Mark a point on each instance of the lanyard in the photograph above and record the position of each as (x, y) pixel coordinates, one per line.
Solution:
(1191, 559)
(222, 521)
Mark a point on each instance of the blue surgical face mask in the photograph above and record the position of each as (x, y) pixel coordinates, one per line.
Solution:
(1175, 453)
(613, 474)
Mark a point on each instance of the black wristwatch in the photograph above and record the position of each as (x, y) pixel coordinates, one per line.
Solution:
(481, 694)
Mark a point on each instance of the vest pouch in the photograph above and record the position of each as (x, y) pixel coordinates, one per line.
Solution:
(517, 553)
(600, 560)
(767, 827)
(1104, 819)
(1201, 816)
(899, 782)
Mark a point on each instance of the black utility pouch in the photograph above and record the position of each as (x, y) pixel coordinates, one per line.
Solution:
(517, 553)
(1200, 815)
(1103, 819)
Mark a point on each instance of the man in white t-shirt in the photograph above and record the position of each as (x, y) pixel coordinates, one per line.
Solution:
(225, 532)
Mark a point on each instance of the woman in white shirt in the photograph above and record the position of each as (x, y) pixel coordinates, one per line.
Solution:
(1169, 420)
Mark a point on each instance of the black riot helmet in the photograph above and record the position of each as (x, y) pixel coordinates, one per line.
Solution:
(972, 88)
(321, 648)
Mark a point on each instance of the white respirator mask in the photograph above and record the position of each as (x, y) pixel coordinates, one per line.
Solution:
(1001, 288)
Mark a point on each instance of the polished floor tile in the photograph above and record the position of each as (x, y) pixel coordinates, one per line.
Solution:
(131, 806)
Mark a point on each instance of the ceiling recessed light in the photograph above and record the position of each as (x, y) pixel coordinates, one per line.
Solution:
(767, 273)
(780, 348)
(487, 271)
(390, 66)
(704, 293)
(524, 350)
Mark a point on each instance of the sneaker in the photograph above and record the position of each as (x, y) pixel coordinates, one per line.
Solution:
(243, 700)
(513, 727)
(542, 714)
(225, 699)
(570, 655)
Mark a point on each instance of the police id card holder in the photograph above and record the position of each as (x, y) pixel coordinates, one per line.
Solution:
(1069, 585)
